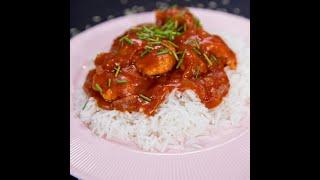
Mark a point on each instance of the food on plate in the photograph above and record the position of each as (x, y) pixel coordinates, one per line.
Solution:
(149, 61)
(165, 85)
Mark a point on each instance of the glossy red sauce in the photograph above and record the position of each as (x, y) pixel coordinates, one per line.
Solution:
(155, 76)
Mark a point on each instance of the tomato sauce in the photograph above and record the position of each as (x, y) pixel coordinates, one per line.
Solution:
(137, 74)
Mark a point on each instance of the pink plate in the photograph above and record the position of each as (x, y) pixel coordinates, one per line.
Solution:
(92, 157)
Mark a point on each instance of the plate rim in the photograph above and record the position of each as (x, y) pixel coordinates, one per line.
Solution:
(77, 173)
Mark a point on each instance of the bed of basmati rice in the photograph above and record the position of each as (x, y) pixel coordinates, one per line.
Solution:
(180, 119)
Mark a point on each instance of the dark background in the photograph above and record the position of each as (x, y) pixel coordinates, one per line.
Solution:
(87, 13)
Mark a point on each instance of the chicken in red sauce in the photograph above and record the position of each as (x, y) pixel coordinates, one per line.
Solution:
(148, 61)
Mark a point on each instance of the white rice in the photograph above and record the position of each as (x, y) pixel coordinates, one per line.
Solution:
(181, 119)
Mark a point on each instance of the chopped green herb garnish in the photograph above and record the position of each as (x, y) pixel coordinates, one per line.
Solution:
(193, 42)
(176, 33)
(84, 106)
(126, 39)
(98, 88)
(121, 81)
(153, 40)
(180, 28)
(167, 31)
(214, 58)
(145, 98)
(197, 72)
(197, 21)
(173, 44)
(197, 43)
(163, 51)
(160, 36)
(181, 59)
(174, 54)
(109, 83)
(148, 47)
(184, 52)
(179, 52)
(165, 45)
(154, 43)
(142, 35)
(168, 25)
(176, 24)
(117, 69)
(171, 37)
(208, 60)
(197, 51)
(144, 52)
(147, 30)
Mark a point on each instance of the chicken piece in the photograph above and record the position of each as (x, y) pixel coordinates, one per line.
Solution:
(155, 64)
(217, 85)
(126, 83)
(99, 84)
(193, 65)
(101, 58)
(128, 103)
(211, 45)
(129, 41)
(123, 49)
(214, 45)
(87, 86)
(109, 95)
(181, 15)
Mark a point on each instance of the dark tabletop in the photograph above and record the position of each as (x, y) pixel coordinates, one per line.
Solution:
(87, 13)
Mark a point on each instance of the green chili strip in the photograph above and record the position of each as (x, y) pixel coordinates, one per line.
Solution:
(197, 72)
